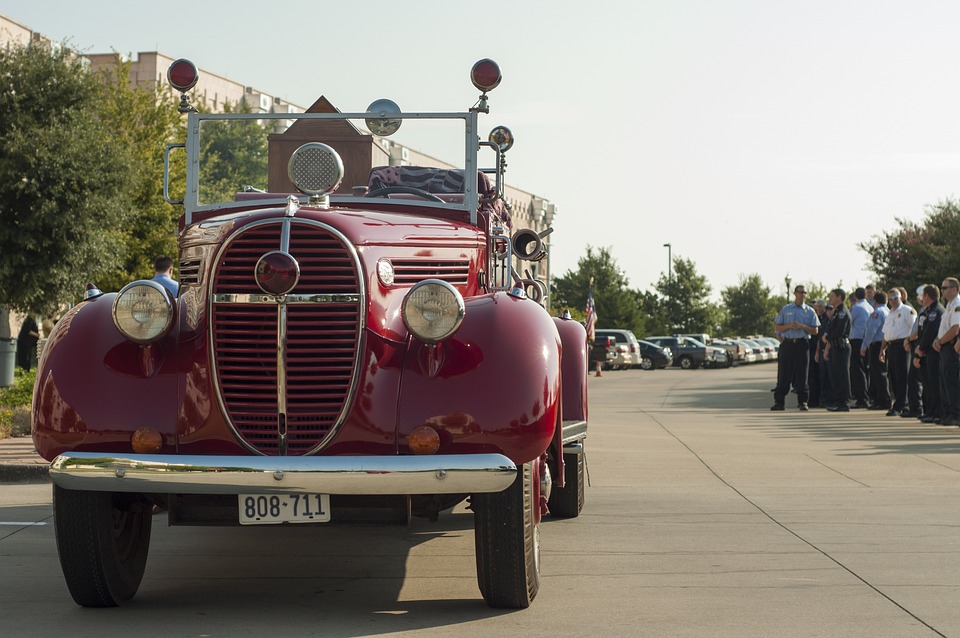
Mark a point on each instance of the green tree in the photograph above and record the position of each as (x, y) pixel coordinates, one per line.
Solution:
(750, 307)
(233, 154)
(145, 121)
(686, 300)
(616, 304)
(64, 178)
(916, 253)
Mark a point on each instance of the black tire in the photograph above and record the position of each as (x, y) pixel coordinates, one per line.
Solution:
(508, 543)
(103, 539)
(646, 363)
(567, 501)
(687, 363)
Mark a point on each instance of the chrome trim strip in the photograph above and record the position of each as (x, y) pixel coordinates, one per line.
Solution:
(573, 431)
(287, 299)
(282, 378)
(194, 474)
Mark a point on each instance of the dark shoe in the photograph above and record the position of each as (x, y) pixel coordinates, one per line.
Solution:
(893, 413)
(928, 419)
(803, 407)
(949, 421)
(814, 405)
(878, 406)
(839, 408)
(777, 407)
(907, 414)
(859, 406)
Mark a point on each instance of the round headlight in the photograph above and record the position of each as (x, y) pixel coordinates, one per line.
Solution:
(432, 310)
(143, 311)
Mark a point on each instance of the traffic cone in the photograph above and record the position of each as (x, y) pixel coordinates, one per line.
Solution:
(599, 374)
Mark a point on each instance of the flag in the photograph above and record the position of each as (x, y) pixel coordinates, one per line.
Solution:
(591, 311)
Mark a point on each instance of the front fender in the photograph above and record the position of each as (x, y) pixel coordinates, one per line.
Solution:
(494, 387)
(94, 387)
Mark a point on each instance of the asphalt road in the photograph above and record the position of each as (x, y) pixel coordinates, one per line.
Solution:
(707, 515)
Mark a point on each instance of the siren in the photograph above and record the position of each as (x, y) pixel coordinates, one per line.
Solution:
(528, 243)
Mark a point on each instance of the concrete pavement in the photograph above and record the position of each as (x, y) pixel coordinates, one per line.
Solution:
(19, 461)
(706, 515)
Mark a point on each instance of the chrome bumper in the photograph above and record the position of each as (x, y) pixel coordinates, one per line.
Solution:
(176, 474)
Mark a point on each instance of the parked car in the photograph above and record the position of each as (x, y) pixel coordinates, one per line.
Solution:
(702, 337)
(773, 344)
(736, 350)
(762, 351)
(720, 358)
(688, 353)
(604, 352)
(653, 357)
(628, 349)
(333, 354)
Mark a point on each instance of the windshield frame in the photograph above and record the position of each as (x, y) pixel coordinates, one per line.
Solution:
(192, 204)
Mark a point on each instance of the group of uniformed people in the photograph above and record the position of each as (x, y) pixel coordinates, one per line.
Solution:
(877, 354)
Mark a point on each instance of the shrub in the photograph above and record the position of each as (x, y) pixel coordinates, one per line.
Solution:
(15, 403)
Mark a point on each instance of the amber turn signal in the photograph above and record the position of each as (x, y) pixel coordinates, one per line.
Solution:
(424, 440)
(146, 441)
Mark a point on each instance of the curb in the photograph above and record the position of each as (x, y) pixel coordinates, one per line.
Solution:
(24, 473)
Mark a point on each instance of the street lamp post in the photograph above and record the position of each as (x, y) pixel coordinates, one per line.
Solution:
(787, 281)
(669, 248)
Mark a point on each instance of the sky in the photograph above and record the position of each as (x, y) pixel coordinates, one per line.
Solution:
(752, 136)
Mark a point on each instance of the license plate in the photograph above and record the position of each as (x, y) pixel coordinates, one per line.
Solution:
(268, 509)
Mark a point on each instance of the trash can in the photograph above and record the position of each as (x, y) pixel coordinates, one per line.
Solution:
(8, 360)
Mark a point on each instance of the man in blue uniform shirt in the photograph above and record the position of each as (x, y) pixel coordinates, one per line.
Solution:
(870, 350)
(860, 311)
(796, 322)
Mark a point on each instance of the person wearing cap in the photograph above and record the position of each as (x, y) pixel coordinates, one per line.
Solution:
(927, 357)
(896, 329)
(946, 344)
(837, 351)
(795, 322)
(870, 350)
(860, 311)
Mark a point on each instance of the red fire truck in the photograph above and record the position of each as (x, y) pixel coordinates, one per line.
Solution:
(351, 340)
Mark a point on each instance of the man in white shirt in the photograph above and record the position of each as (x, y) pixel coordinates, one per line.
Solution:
(949, 356)
(896, 328)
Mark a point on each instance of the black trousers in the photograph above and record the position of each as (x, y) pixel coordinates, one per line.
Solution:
(897, 373)
(794, 358)
(813, 378)
(949, 382)
(878, 376)
(840, 373)
(914, 386)
(858, 377)
(930, 364)
(826, 384)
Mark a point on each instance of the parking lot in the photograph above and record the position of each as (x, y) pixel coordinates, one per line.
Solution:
(707, 515)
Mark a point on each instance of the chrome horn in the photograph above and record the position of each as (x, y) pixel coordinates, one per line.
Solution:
(528, 243)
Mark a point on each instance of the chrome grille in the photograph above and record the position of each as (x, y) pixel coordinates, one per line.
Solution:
(320, 339)
(411, 271)
(189, 272)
